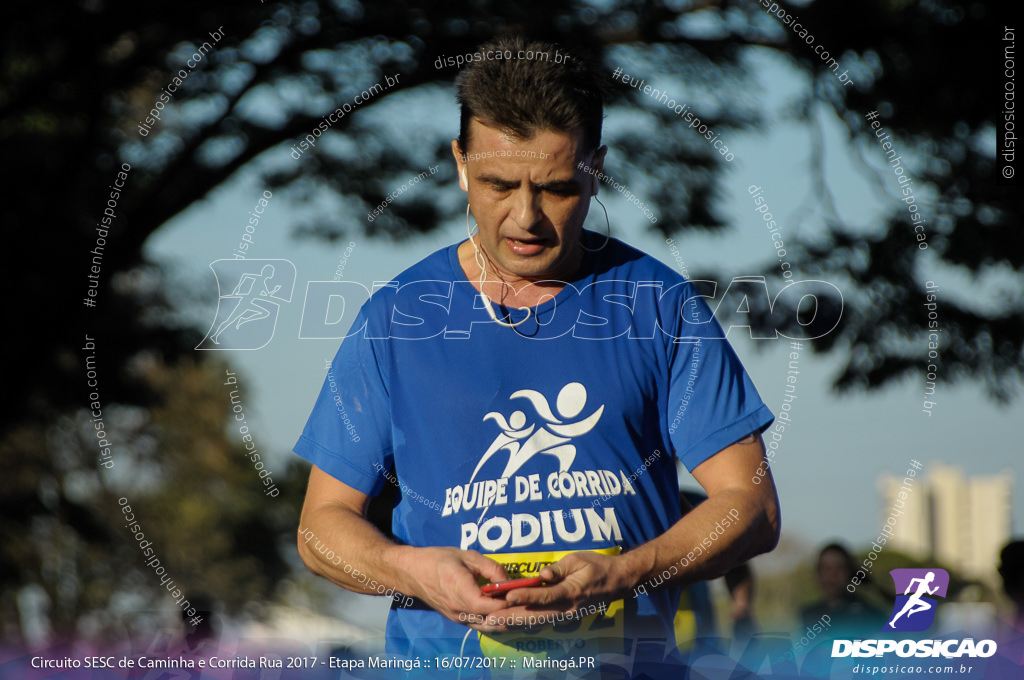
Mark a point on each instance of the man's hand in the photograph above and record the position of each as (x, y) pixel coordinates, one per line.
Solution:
(445, 578)
(575, 581)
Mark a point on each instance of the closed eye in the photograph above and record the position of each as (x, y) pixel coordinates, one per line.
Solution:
(571, 190)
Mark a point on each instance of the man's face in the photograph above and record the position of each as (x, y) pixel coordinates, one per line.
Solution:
(833, 573)
(529, 198)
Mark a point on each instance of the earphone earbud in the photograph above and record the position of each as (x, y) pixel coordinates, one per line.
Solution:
(465, 178)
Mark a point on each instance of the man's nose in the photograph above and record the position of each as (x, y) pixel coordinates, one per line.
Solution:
(527, 210)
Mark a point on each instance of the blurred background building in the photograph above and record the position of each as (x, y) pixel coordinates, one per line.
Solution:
(958, 520)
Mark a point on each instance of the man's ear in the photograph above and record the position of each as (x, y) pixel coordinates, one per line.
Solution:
(461, 164)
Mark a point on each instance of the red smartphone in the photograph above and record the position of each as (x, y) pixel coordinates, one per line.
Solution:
(505, 586)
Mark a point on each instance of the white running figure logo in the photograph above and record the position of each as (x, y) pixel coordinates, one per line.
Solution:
(550, 438)
(915, 603)
(250, 306)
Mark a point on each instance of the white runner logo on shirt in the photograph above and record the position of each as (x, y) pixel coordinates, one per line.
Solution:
(524, 442)
(552, 434)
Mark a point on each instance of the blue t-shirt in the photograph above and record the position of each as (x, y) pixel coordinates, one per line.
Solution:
(524, 443)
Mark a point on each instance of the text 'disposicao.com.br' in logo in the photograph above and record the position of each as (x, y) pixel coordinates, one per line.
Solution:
(914, 611)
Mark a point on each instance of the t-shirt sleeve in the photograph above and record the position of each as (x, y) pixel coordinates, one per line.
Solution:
(712, 401)
(348, 433)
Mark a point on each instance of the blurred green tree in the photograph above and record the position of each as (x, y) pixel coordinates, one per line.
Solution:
(191, 488)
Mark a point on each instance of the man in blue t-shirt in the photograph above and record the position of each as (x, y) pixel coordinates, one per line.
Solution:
(529, 390)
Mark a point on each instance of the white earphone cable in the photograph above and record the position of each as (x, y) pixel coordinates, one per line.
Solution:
(481, 264)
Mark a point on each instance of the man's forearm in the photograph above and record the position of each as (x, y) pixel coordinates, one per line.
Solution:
(723, 531)
(363, 558)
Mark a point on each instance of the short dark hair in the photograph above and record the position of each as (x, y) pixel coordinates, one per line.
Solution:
(1011, 566)
(847, 557)
(523, 96)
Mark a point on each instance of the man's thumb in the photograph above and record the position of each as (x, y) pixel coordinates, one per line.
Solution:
(489, 569)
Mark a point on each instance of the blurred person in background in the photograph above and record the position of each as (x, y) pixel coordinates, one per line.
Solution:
(1011, 570)
(1011, 632)
(849, 612)
(740, 582)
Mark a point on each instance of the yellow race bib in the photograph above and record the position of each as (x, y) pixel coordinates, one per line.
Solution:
(585, 634)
